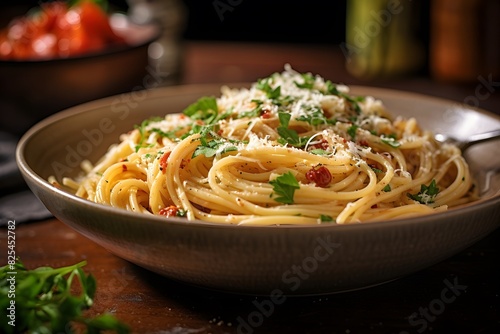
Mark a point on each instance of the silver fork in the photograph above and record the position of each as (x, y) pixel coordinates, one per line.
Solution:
(474, 139)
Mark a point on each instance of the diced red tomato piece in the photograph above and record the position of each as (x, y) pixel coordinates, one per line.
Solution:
(321, 176)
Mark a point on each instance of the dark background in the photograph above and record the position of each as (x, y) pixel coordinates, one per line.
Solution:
(312, 21)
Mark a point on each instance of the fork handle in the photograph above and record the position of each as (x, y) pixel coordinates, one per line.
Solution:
(481, 137)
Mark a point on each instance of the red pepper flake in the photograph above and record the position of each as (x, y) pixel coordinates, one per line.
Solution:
(124, 168)
(163, 161)
(265, 113)
(321, 176)
(363, 143)
(169, 211)
(323, 145)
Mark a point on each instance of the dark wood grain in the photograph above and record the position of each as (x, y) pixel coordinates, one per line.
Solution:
(149, 303)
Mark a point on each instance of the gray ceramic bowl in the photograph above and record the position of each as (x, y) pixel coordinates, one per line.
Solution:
(295, 260)
(34, 89)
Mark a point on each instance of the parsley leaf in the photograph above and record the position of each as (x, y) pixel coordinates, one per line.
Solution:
(45, 303)
(142, 130)
(315, 117)
(211, 148)
(255, 112)
(387, 188)
(331, 88)
(264, 85)
(326, 219)
(391, 141)
(169, 134)
(426, 194)
(351, 131)
(288, 136)
(204, 109)
(319, 151)
(284, 186)
(308, 81)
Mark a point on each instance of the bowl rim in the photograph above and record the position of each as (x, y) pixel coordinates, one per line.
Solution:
(161, 92)
(109, 50)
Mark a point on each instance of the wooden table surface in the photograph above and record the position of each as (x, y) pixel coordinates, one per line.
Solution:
(149, 303)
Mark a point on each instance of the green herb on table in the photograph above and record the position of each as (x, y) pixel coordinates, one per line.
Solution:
(42, 300)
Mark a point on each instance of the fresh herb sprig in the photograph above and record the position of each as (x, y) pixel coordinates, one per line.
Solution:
(210, 148)
(265, 85)
(427, 194)
(287, 135)
(143, 132)
(331, 88)
(284, 186)
(390, 140)
(315, 117)
(308, 81)
(44, 302)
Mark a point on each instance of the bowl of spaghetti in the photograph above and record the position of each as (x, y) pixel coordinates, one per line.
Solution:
(291, 184)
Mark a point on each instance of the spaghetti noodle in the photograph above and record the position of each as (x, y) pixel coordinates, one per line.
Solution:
(292, 149)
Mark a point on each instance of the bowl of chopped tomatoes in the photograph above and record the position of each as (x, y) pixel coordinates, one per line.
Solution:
(61, 54)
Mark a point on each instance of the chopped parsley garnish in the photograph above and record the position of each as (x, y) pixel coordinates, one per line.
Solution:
(288, 136)
(170, 134)
(351, 131)
(387, 188)
(332, 89)
(209, 148)
(204, 109)
(319, 151)
(308, 81)
(390, 140)
(142, 130)
(426, 194)
(181, 213)
(255, 112)
(284, 186)
(264, 85)
(315, 117)
(326, 219)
